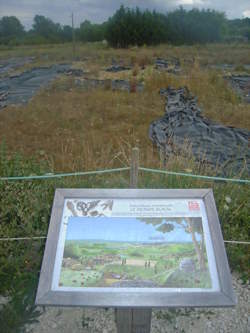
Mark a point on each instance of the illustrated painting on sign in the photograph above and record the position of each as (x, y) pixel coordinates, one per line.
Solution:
(146, 252)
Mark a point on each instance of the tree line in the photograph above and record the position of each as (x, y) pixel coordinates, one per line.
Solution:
(129, 27)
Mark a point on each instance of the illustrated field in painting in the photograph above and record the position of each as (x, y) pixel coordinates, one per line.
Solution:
(161, 252)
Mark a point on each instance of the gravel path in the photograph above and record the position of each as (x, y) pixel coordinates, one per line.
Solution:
(226, 320)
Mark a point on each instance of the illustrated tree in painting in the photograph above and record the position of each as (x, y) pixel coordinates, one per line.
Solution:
(191, 225)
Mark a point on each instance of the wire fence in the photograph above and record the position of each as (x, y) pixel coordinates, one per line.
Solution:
(8, 239)
(105, 171)
(61, 175)
(233, 180)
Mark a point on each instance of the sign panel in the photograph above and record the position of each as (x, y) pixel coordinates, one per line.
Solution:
(135, 248)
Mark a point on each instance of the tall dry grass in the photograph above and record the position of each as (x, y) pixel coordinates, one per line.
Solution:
(207, 54)
(75, 129)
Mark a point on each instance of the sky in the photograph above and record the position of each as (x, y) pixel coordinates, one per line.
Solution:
(99, 10)
(122, 230)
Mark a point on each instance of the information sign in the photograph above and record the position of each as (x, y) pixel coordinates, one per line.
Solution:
(135, 248)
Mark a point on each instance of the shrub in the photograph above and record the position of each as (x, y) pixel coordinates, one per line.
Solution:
(72, 251)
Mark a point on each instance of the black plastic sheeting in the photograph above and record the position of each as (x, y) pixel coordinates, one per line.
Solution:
(241, 84)
(211, 143)
(13, 64)
(21, 88)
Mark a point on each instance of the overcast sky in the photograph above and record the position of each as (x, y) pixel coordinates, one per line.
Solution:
(100, 10)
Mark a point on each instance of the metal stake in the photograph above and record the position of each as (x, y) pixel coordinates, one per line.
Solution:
(134, 171)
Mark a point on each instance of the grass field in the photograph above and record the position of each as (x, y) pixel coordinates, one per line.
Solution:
(74, 129)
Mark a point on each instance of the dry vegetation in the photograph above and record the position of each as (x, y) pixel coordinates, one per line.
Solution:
(78, 130)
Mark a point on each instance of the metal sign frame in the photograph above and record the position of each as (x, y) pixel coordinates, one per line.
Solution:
(124, 297)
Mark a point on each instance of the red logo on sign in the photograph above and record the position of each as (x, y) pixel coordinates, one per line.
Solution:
(193, 205)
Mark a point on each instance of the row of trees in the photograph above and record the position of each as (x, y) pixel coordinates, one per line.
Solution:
(239, 28)
(44, 30)
(132, 27)
(195, 26)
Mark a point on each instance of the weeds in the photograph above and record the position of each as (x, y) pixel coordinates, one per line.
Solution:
(76, 129)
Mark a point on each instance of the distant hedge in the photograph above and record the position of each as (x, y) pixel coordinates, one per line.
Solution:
(132, 27)
(135, 27)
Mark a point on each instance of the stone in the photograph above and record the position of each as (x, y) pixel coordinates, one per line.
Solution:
(187, 265)
(161, 63)
(74, 72)
(241, 84)
(120, 85)
(117, 68)
(4, 299)
(171, 66)
(210, 143)
(116, 276)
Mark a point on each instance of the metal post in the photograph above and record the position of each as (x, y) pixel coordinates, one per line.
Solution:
(133, 320)
(134, 170)
(73, 37)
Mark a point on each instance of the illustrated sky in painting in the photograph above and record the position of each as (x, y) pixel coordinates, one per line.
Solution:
(123, 230)
(99, 10)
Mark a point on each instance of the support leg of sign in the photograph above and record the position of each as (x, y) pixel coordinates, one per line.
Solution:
(133, 320)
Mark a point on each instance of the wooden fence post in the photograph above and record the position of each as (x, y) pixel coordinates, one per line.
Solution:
(133, 320)
(134, 168)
